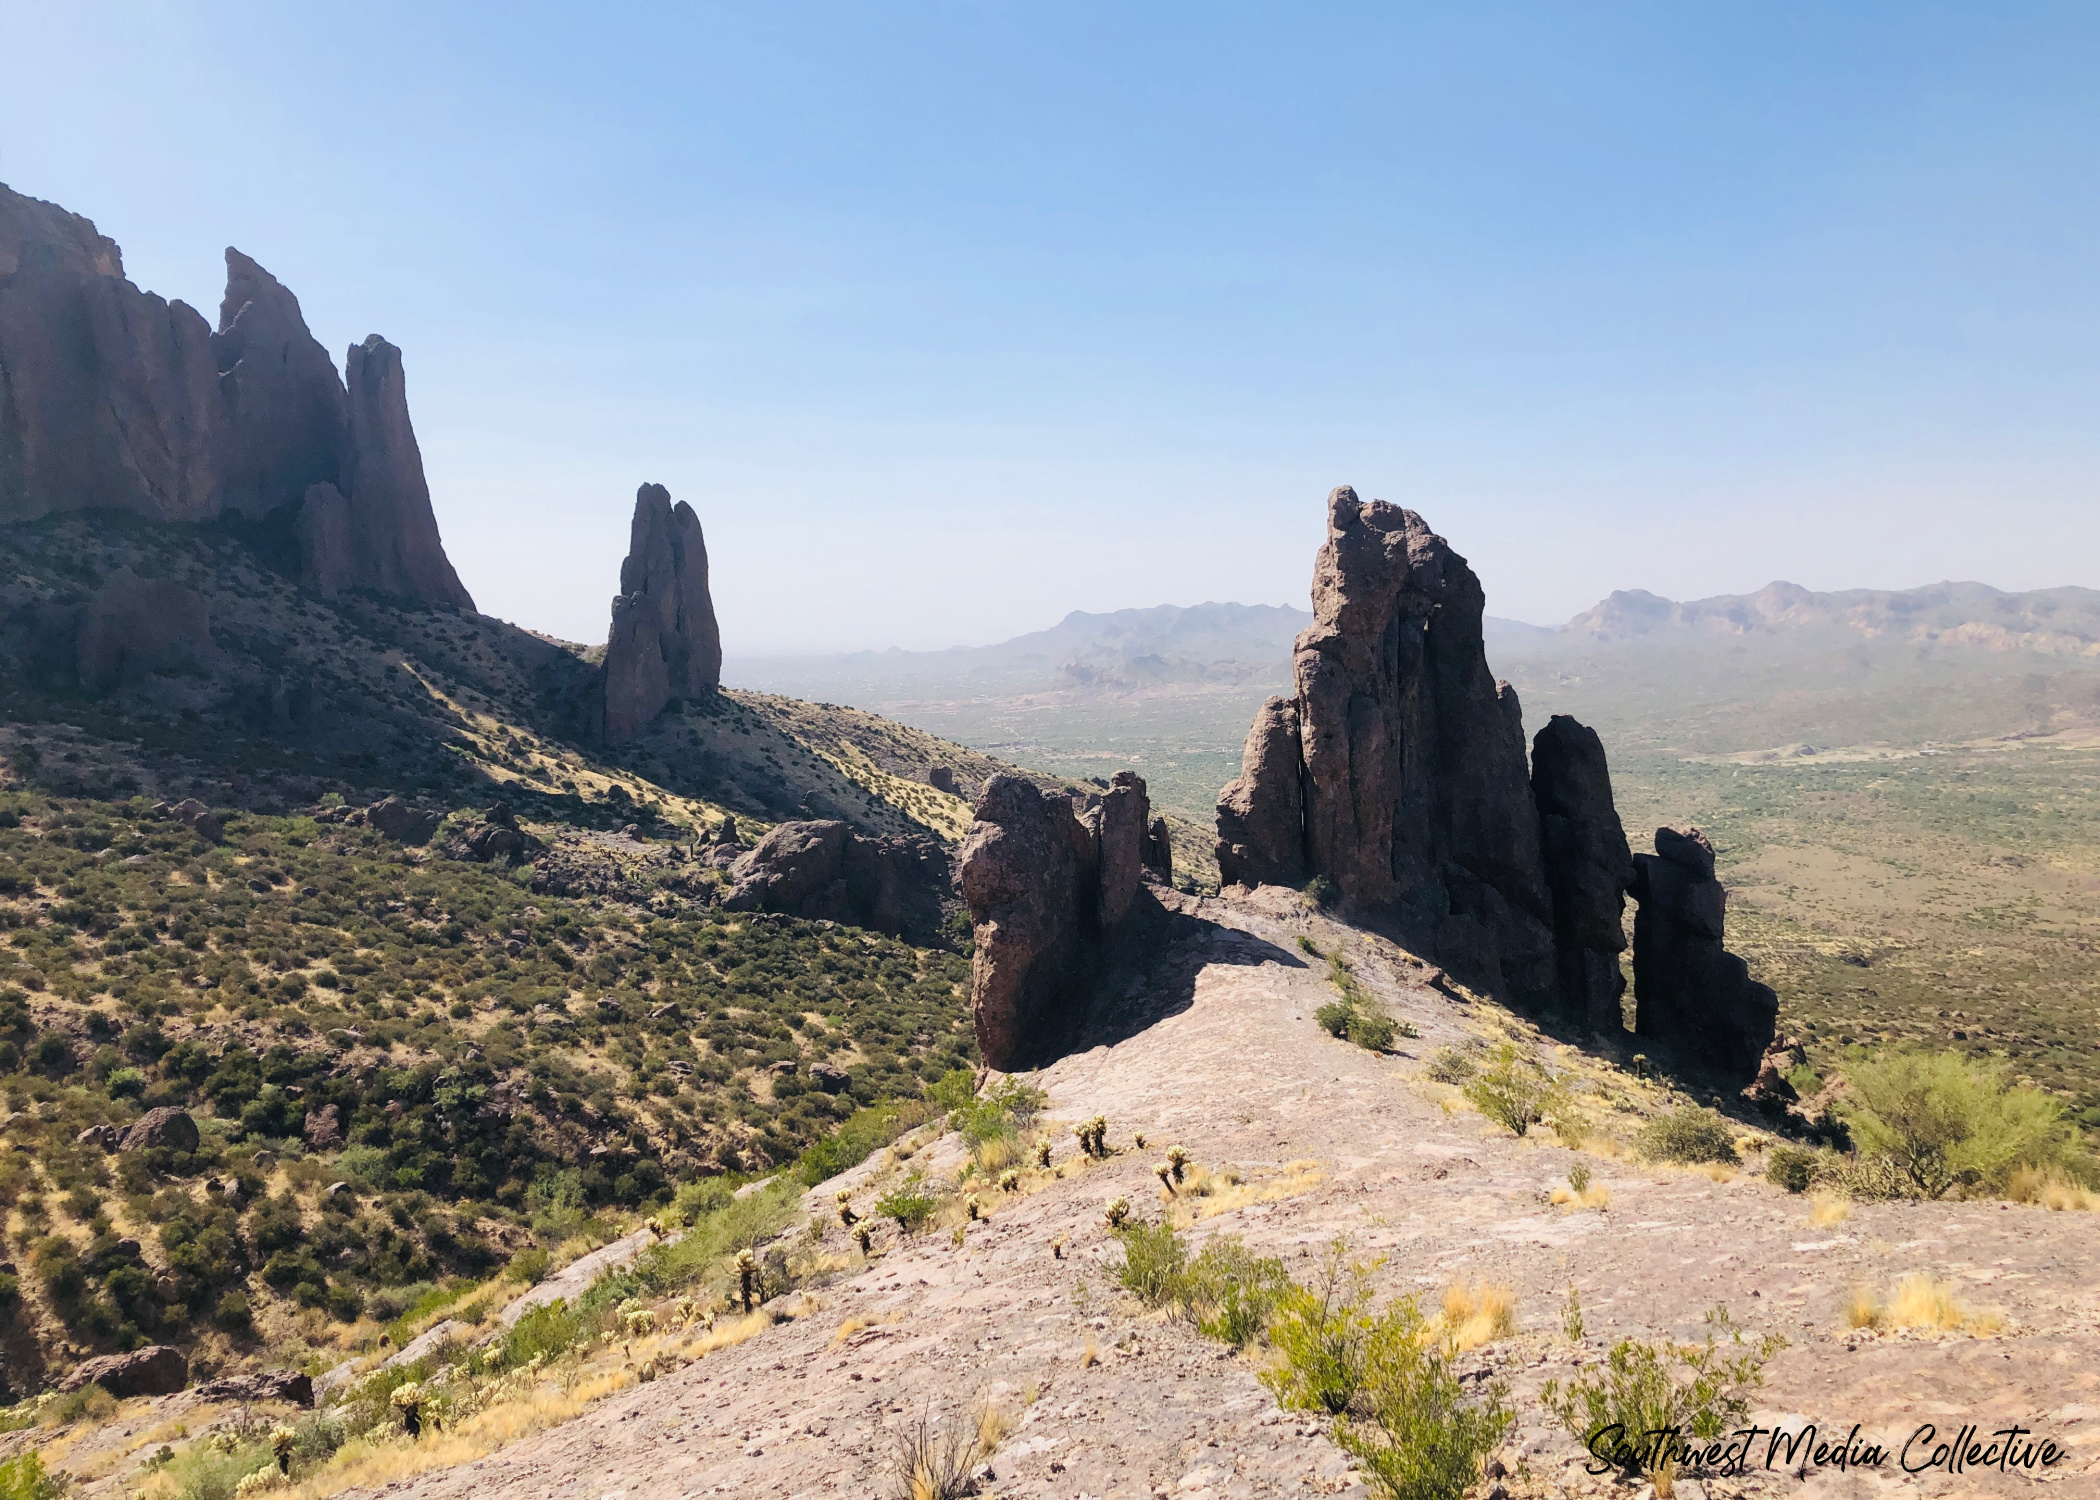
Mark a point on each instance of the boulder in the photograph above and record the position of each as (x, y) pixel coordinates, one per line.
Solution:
(134, 627)
(293, 1387)
(664, 642)
(1261, 816)
(495, 838)
(942, 779)
(1051, 885)
(324, 1129)
(197, 818)
(159, 1370)
(1588, 870)
(401, 822)
(1770, 1090)
(1689, 990)
(101, 1137)
(821, 870)
(1405, 783)
(166, 1127)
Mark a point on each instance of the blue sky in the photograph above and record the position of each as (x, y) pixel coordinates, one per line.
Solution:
(949, 319)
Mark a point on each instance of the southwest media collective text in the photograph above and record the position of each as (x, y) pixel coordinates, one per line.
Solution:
(2009, 1450)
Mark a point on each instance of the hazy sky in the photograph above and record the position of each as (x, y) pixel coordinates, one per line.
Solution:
(950, 319)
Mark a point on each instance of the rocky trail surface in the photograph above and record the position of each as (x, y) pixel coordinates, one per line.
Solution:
(1216, 1049)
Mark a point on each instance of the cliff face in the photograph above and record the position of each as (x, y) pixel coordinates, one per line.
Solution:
(664, 642)
(112, 398)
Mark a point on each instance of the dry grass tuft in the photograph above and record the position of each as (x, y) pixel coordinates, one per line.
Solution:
(996, 1154)
(1090, 1353)
(2050, 1190)
(1209, 1193)
(1827, 1209)
(847, 1329)
(1475, 1316)
(1596, 1196)
(1924, 1303)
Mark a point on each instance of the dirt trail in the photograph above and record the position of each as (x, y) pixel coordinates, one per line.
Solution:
(1219, 1053)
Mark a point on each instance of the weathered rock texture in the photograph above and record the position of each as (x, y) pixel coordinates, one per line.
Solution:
(156, 1371)
(1051, 884)
(1588, 869)
(1159, 850)
(1409, 770)
(664, 642)
(1688, 989)
(112, 398)
(166, 1127)
(824, 871)
(136, 626)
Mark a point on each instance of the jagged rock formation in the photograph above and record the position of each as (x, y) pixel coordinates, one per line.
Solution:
(1051, 884)
(1688, 989)
(1261, 816)
(112, 398)
(1408, 758)
(1588, 869)
(664, 642)
(823, 870)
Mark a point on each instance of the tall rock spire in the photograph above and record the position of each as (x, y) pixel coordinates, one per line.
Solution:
(664, 642)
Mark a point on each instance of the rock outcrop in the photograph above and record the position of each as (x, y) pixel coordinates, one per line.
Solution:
(159, 1370)
(1688, 989)
(1588, 869)
(135, 626)
(664, 642)
(1261, 816)
(1051, 885)
(1159, 850)
(1407, 764)
(166, 1128)
(493, 839)
(112, 398)
(824, 871)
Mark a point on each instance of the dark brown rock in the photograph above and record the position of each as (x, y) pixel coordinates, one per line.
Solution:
(156, 1371)
(293, 1387)
(134, 627)
(101, 1137)
(823, 871)
(394, 532)
(1588, 869)
(1050, 887)
(1159, 850)
(324, 1129)
(1261, 816)
(1770, 1090)
(664, 642)
(116, 399)
(164, 1127)
(289, 427)
(1688, 989)
(942, 779)
(1416, 796)
(494, 839)
(198, 818)
(401, 822)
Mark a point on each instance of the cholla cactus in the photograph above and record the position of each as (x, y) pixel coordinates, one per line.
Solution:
(1042, 1152)
(1057, 1248)
(1009, 1181)
(747, 1277)
(639, 1324)
(1178, 1159)
(1117, 1211)
(1137, 1138)
(256, 1483)
(1093, 1136)
(844, 1198)
(222, 1442)
(1165, 1173)
(864, 1239)
(975, 1208)
(657, 1226)
(647, 1372)
(408, 1400)
(281, 1440)
(688, 1312)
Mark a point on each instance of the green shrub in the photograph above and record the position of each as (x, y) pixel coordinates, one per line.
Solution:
(1791, 1167)
(1943, 1121)
(1232, 1293)
(909, 1203)
(1687, 1136)
(1155, 1262)
(1513, 1090)
(1451, 1066)
(1357, 1014)
(1005, 1109)
(1322, 1331)
(1418, 1438)
(1321, 891)
(1691, 1390)
(23, 1478)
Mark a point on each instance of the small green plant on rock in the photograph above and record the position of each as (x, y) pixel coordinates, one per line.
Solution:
(1514, 1090)
(1688, 1137)
(909, 1203)
(1791, 1167)
(1644, 1407)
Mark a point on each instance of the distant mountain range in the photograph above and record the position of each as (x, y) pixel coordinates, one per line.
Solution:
(1224, 645)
